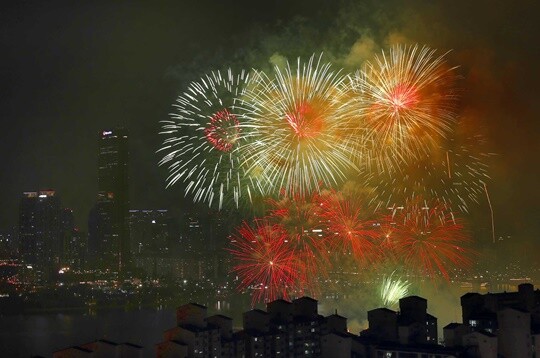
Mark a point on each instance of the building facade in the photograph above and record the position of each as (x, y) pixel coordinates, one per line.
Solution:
(285, 329)
(41, 231)
(108, 226)
(503, 324)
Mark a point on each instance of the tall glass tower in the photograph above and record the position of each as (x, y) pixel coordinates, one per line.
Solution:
(109, 220)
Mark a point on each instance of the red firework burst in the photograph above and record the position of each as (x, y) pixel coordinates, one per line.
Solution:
(266, 260)
(348, 229)
(403, 97)
(429, 239)
(300, 216)
(223, 130)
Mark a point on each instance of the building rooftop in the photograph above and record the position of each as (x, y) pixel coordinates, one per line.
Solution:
(470, 294)
(453, 325)
(413, 297)
(279, 300)
(484, 333)
(197, 305)
(336, 315)
(76, 348)
(106, 341)
(305, 298)
(382, 309)
(221, 316)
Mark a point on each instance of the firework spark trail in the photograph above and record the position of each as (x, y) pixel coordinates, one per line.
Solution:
(406, 98)
(266, 262)
(393, 289)
(453, 173)
(429, 239)
(448, 164)
(204, 139)
(491, 210)
(301, 128)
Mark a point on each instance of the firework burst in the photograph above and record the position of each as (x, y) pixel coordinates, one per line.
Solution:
(204, 139)
(349, 230)
(266, 261)
(300, 216)
(301, 128)
(428, 238)
(407, 100)
(392, 289)
(301, 132)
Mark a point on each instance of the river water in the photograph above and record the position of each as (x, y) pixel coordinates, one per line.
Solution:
(42, 334)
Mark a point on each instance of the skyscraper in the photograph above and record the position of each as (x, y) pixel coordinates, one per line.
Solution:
(150, 232)
(108, 221)
(40, 230)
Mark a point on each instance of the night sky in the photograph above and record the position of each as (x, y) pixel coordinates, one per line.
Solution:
(70, 69)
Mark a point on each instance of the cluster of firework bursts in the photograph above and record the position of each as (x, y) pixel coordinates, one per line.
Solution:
(301, 240)
(296, 137)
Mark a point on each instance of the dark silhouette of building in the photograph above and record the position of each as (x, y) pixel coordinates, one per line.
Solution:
(412, 325)
(41, 231)
(108, 221)
(480, 311)
(505, 324)
(285, 329)
(101, 348)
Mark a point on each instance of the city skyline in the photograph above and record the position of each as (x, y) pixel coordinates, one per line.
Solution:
(46, 81)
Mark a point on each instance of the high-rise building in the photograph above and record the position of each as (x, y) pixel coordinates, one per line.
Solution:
(9, 243)
(41, 229)
(108, 221)
(75, 249)
(150, 232)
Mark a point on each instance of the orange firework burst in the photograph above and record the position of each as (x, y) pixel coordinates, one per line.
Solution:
(301, 128)
(428, 238)
(407, 100)
(267, 262)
